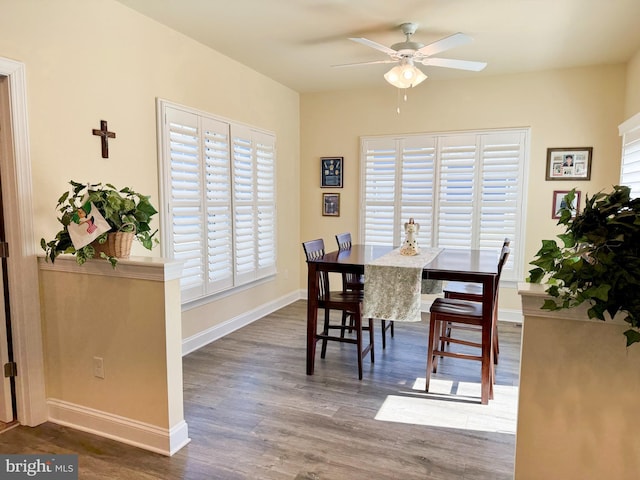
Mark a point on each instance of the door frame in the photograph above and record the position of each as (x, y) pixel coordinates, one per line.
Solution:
(22, 263)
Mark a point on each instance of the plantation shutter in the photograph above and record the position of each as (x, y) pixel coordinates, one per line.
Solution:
(630, 168)
(245, 215)
(218, 202)
(254, 203)
(219, 190)
(417, 186)
(185, 200)
(502, 159)
(456, 224)
(266, 203)
(379, 187)
(464, 189)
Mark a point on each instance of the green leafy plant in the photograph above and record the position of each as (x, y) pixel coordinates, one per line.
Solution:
(598, 260)
(124, 210)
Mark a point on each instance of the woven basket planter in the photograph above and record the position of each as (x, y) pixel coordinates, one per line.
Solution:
(118, 245)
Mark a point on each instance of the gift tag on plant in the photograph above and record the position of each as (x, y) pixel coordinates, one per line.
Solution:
(87, 224)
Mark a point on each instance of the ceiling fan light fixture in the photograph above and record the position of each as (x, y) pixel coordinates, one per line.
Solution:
(405, 75)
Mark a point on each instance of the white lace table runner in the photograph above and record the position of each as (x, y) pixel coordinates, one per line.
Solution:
(393, 285)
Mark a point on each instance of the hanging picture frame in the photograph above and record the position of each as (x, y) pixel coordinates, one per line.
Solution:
(559, 202)
(331, 172)
(331, 204)
(569, 163)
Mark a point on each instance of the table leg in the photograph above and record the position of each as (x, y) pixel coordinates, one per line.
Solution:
(312, 315)
(488, 294)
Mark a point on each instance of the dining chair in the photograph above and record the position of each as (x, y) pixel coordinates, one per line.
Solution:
(344, 301)
(355, 282)
(465, 313)
(473, 292)
(350, 281)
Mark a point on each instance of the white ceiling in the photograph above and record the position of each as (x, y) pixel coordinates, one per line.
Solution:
(295, 42)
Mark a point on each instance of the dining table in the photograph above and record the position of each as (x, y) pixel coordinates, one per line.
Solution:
(453, 264)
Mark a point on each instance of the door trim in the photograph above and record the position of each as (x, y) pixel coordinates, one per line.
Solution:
(22, 263)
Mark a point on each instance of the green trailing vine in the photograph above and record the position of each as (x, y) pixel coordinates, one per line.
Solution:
(124, 210)
(597, 260)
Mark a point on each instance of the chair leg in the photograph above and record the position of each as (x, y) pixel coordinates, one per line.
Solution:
(384, 333)
(371, 342)
(344, 323)
(496, 347)
(437, 327)
(496, 343)
(358, 328)
(486, 382)
(386, 326)
(445, 331)
(430, 355)
(325, 332)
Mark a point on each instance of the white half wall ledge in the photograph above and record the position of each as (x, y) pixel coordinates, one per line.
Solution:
(141, 268)
(533, 296)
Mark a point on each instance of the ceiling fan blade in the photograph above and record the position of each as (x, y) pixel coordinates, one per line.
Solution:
(377, 46)
(445, 43)
(451, 63)
(365, 63)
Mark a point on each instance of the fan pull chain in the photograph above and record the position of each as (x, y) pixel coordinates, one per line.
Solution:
(404, 97)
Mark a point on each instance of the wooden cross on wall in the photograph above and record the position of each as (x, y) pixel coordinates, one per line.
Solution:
(104, 135)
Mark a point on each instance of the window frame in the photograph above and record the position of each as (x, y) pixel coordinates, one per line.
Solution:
(629, 130)
(257, 180)
(513, 271)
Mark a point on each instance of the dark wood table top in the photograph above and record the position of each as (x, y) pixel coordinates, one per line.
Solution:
(450, 263)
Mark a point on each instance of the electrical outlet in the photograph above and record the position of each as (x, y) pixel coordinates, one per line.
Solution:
(98, 367)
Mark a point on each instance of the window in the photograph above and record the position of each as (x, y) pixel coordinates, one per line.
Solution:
(218, 193)
(466, 190)
(630, 168)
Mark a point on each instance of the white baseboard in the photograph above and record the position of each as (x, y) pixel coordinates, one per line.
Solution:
(205, 337)
(143, 435)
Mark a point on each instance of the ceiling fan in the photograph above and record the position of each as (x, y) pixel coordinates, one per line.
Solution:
(406, 54)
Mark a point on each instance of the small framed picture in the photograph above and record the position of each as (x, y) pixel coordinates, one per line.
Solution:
(331, 204)
(331, 172)
(569, 163)
(560, 202)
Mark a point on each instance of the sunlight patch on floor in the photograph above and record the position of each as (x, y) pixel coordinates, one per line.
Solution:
(452, 404)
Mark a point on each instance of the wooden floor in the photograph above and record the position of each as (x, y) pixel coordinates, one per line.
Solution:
(254, 414)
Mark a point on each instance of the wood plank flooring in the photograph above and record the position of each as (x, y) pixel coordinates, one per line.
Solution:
(253, 413)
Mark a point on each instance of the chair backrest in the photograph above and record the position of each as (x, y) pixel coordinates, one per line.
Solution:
(349, 280)
(504, 255)
(344, 241)
(314, 249)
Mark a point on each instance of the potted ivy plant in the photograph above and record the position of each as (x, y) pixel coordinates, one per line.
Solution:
(598, 259)
(101, 212)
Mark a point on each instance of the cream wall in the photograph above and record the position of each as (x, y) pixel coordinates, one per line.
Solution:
(632, 104)
(93, 60)
(563, 108)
